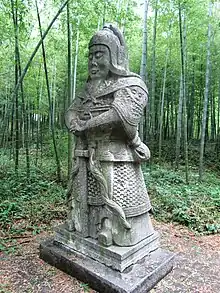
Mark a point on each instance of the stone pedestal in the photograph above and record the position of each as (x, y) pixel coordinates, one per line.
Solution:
(116, 257)
(140, 277)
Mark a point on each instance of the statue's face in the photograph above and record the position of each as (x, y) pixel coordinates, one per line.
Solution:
(99, 62)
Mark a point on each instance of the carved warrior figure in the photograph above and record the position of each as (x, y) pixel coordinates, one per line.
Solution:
(107, 197)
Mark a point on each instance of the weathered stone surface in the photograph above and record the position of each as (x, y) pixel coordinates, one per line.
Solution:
(138, 278)
(117, 257)
(108, 240)
(107, 197)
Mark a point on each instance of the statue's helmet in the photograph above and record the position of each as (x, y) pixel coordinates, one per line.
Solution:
(111, 37)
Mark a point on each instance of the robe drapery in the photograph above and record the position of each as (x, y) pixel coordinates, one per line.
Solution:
(111, 145)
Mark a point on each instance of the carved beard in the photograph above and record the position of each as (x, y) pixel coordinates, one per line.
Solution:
(95, 84)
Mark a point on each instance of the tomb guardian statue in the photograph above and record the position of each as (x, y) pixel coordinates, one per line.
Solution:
(107, 198)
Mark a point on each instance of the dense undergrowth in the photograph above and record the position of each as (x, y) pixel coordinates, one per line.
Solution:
(196, 205)
(31, 205)
(28, 205)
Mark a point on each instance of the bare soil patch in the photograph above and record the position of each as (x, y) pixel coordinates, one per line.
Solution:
(197, 266)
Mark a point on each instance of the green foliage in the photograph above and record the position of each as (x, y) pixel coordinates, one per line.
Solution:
(85, 287)
(196, 205)
(4, 287)
(29, 204)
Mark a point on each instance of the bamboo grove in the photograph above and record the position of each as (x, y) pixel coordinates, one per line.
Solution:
(172, 44)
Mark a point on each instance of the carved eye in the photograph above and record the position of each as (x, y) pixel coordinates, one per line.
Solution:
(98, 54)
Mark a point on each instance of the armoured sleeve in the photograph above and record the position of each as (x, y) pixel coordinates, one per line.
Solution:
(127, 107)
(108, 118)
(129, 103)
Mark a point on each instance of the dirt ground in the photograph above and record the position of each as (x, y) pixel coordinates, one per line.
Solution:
(197, 266)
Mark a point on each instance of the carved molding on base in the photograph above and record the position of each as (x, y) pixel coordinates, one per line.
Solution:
(118, 258)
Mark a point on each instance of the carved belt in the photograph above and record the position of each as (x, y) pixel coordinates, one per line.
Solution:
(81, 153)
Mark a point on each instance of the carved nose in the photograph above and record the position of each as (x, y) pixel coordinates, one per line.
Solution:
(94, 62)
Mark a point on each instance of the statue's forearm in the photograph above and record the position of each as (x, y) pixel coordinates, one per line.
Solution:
(108, 118)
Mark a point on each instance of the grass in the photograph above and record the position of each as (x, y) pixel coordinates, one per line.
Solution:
(30, 205)
(195, 205)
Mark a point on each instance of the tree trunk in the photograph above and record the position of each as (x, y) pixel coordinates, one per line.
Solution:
(191, 108)
(167, 126)
(153, 89)
(183, 73)
(218, 124)
(206, 95)
(162, 104)
(38, 117)
(213, 118)
(172, 114)
(124, 19)
(143, 66)
(49, 100)
(14, 9)
(104, 12)
(69, 84)
(76, 61)
(179, 124)
(5, 110)
(24, 72)
(218, 119)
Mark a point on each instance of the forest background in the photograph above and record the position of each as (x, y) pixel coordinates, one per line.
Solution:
(172, 44)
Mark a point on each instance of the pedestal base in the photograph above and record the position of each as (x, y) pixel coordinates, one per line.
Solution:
(138, 278)
(116, 257)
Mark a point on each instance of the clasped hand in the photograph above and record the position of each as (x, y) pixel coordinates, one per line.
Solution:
(77, 126)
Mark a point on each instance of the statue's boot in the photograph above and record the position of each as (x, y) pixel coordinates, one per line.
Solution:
(105, 235)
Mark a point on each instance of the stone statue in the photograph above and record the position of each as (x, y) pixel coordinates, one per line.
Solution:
(104, 118)
(108, 240)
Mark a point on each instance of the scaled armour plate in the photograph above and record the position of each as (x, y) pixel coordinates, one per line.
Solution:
(129, 189)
